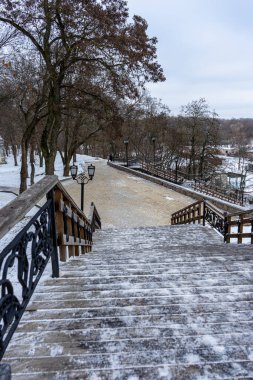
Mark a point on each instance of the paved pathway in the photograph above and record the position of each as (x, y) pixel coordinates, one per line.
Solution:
(124, 200)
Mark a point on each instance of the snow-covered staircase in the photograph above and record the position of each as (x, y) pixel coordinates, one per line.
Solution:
(148, 303)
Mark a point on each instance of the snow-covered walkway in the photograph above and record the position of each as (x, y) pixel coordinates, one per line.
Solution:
(123, 200)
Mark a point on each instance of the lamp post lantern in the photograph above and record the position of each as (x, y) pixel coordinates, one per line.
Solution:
(82, 179)
(126, 146)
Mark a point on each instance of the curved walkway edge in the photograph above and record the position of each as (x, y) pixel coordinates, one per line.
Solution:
(226, 206)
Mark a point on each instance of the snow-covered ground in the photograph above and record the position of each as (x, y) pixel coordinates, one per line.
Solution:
(231, 164)
(10, 174)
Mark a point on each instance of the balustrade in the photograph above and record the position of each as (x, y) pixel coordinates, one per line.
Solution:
(236, 228)
(59, 226)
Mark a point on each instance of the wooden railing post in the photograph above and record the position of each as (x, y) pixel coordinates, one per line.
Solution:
(54, 255)
(226, 228)
(204, 213)
(251, 230)
(240, 229)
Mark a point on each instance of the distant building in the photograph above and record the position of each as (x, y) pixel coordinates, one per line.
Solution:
(2, 152)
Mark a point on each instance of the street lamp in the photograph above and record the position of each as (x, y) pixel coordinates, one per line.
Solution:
(126, 145)
(82, 179)
(153, 141)
(176, 161)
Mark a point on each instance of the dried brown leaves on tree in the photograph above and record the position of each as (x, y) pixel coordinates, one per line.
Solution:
(89, 35)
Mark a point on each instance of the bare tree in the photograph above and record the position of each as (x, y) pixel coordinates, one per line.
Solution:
(90, 36)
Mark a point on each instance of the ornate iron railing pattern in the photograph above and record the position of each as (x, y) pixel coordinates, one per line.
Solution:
(215, 218)
(28, 255)
(57, 226)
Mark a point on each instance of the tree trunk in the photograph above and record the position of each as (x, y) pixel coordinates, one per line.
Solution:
(40, 158)
(14, 151)
(66, 168)
(32, 164)
(202, 160)
(6, 147)
(49, 163)
(50, 134)
(24, 167)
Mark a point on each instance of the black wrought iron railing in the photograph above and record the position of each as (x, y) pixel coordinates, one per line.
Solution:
(22, 263)
(215, 217)
(59, 226)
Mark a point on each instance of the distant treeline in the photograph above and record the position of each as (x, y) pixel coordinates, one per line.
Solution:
(232, 129)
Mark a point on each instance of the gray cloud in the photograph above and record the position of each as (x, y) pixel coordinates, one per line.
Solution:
(204, 48)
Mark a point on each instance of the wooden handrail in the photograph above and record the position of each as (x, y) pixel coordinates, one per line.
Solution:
(94, 218)
(242, 213)
(15, 211)
(189, 214)
(74, 230)
(58, 227)
(217, 192)
(169, 175)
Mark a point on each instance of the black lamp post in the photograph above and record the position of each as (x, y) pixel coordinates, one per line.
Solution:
(176, 161)
(153, 141)
(82, 179)
(126, 145)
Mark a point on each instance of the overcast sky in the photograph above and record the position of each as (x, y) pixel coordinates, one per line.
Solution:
(205, 48)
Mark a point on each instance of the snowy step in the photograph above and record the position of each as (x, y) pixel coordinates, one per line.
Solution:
(73, 359)
(217, 371)
(173, 235)
(147, 303)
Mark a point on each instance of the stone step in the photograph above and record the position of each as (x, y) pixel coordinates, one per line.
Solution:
(137, 307)
(156, 253)
(178, 325)
(152, 235)
(122, 360)
(143, 305)
(84, 348)
(60, 288)
(205, 312)
(26, 342)
(225, 371)
(76, 294)
(153, 258)
(211, 332)
(105, 301)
